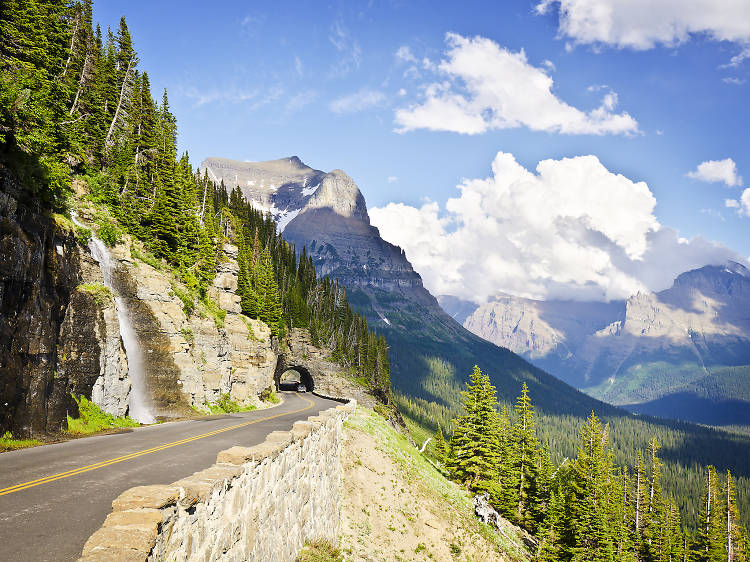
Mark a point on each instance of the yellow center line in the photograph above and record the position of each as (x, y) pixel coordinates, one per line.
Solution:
(102, 464)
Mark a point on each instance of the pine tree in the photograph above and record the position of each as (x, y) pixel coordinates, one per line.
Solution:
(441, 448)
(524, 454)
(475, 465)
(711, 541)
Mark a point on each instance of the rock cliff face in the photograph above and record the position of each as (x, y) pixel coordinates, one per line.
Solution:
(650, 346)
(55, 339)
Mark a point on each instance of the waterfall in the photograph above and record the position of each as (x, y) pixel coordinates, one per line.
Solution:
(138, 407)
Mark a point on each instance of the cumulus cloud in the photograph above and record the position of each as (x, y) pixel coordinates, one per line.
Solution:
(713, 171)
(570, 229)
(643, 24)
(358, 101)
(481, 86)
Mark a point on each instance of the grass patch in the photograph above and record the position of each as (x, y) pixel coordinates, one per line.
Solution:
(418, 470)
(270, 395)
(188, 334)
(188, 301)
(211, 309)
(63, 222)
(93, 419)
(7, 443)
(225, 405)
(102, 295)
(146, 257)
(319, 550)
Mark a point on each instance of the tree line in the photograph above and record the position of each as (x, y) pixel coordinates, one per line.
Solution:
(586, 508)
(75, 105)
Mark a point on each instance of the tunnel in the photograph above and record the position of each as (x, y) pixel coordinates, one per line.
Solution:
(287, 377)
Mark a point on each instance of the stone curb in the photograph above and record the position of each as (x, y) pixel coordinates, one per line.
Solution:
(131, 530)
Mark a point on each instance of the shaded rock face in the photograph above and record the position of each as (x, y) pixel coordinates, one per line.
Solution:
(41, 265)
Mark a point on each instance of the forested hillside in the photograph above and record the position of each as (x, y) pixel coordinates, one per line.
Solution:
(74, 106)
(584, 507)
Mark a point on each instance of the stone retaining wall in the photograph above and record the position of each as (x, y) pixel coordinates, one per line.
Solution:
(256, 503)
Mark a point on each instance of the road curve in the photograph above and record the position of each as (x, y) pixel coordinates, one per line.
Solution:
(52, 498)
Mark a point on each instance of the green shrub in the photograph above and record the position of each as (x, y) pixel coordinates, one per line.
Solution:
(83, 235)
(225, 405)
(7, 443)
(269, 395)
(110, 234)
(92, 419)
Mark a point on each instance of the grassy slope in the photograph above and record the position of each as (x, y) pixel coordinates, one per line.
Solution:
(398, 504)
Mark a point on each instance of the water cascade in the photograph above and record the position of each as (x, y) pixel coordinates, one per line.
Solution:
(138, 407)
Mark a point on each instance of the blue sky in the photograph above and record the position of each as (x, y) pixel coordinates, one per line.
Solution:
(349, 85)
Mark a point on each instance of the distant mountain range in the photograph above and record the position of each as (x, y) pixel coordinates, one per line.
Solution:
(431, 353)
(682, 353)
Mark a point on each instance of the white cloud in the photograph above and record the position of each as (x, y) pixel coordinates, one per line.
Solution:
(404, 53)
(570, 229)
(745, 200)
(717, 171)
(351, 53)
(402, 92)
(731, 203)
(734, 81)
(643, 24)
(484, 86)
(358, 101)
(392, 179)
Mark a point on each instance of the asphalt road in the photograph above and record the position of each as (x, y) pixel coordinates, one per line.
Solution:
(52, 498)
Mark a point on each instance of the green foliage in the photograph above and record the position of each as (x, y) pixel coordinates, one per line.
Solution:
(211, 309)
(589, 508)
(187, 299)
(271, 397)
(225, 405)
(7, 443)
(319, 550)
(188, 334)
(92, 419)
(110, 234)
(83, 235)
(102, 295)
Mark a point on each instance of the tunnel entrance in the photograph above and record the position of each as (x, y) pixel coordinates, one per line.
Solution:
(288, 378)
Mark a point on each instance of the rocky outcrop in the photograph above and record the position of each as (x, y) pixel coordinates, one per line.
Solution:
(256, 503)
(194, 358)
(52, 336)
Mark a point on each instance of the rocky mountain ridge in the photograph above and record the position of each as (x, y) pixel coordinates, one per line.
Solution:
(634, 351)
(332, 225)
